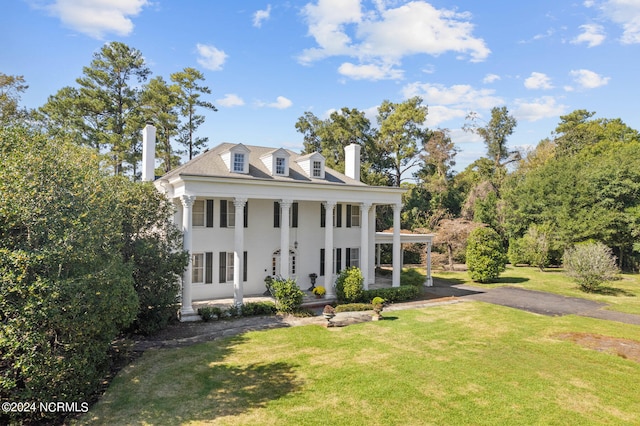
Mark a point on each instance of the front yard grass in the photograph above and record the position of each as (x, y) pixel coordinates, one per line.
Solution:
(465, 363)
(622, 295)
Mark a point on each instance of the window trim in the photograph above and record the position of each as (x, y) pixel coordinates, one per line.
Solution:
(238, 159)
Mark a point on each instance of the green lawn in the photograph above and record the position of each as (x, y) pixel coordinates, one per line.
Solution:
(465, 363)
(622, 295)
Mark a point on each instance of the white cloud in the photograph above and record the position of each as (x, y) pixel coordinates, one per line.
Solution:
(230, 100)
(97, 18)
(460, 95)
(538, 80)
(625, 13)
(370, 72)
(439, 114)
(592, 34)
(384, 35)
(280, 103)
(211, 58)
(261, 15)
(588, 79)
(538, 109)
(490, 78)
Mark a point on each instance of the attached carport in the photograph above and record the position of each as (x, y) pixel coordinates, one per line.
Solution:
(386, 237)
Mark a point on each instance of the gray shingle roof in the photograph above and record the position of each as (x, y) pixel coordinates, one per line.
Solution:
(211, 164)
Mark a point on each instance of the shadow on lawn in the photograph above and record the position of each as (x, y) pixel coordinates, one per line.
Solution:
(613, 291)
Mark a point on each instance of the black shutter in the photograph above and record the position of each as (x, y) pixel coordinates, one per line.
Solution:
(348, 215)
(276, 214)
(294, 217)
(246, 214)
(223, 213)
(347, 261)
(321, 262)
(222, 276)
(323, 216)
(244, 266)
(338, 260)
(338, 215)
(209, 213)
(208, 264)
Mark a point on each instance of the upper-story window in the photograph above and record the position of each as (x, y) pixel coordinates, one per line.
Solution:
(313, 165)
(238, 162)
(317, 169)
(280, 165)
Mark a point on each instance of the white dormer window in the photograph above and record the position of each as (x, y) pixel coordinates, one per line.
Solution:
(317, 169)
(277, 162)
(238, 162)
(236, 158)
(280, 165)
(312, 164)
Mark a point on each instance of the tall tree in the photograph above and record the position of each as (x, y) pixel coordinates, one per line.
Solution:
(401, 130)
(189, 92)
(106, 92)
(495, 134)
(11, 87)
(160, 103)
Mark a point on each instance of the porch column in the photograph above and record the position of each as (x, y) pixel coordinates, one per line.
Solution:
(187, 204)
(328, 248)
(429, 282)
(372, 244)
(285, 207)
(397, 249)
(238, 251)
(364, 243)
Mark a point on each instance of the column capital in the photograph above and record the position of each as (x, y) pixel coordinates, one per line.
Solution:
(239, 202)
(365, 206)
(187, 200)
(329, 205)
(286, 203)
(397, 206)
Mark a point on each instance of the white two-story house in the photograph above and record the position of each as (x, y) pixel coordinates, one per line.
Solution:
(248, 212)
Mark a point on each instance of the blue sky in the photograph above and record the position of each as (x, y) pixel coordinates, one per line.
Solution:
(267, 63)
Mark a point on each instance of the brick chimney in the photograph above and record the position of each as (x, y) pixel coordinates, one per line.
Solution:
(148, 153)
(352, 161)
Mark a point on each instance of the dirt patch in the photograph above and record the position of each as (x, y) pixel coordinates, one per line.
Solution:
(624, 348)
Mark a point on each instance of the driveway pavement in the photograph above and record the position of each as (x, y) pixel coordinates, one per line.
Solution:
(533, 301)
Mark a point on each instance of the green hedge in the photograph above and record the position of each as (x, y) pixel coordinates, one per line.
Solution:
(354, 307)
(391, 295)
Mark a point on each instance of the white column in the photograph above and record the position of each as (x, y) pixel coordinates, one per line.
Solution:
(429, 281)
(397, 249)
(187, 204)
(285, 209)
(364, 243)
(238, 251)
(372, 245)
(328, 248)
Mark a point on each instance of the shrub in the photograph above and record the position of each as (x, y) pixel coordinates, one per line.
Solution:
(412, 277)
(392, 295)
(354, 307)
(349, 285)
(258, 308)
(515, 253)
(485, 255)
(209, 312)
(590, 264)
(288, 295)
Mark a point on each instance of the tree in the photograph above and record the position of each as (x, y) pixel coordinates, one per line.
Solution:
(189, 92)
(453, 234)
(439, 153)
(590, 264)
(65, 290)
(160, 101)
(400, 131)
(104, 112)
(11, 87)
(342, 128)
(485, 255)
(495, 134)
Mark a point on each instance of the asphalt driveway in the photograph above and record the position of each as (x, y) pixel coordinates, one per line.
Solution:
(532, 301)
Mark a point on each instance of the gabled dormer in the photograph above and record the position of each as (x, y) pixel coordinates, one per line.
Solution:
(312, 165)
(277, 162)
(236, 159)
